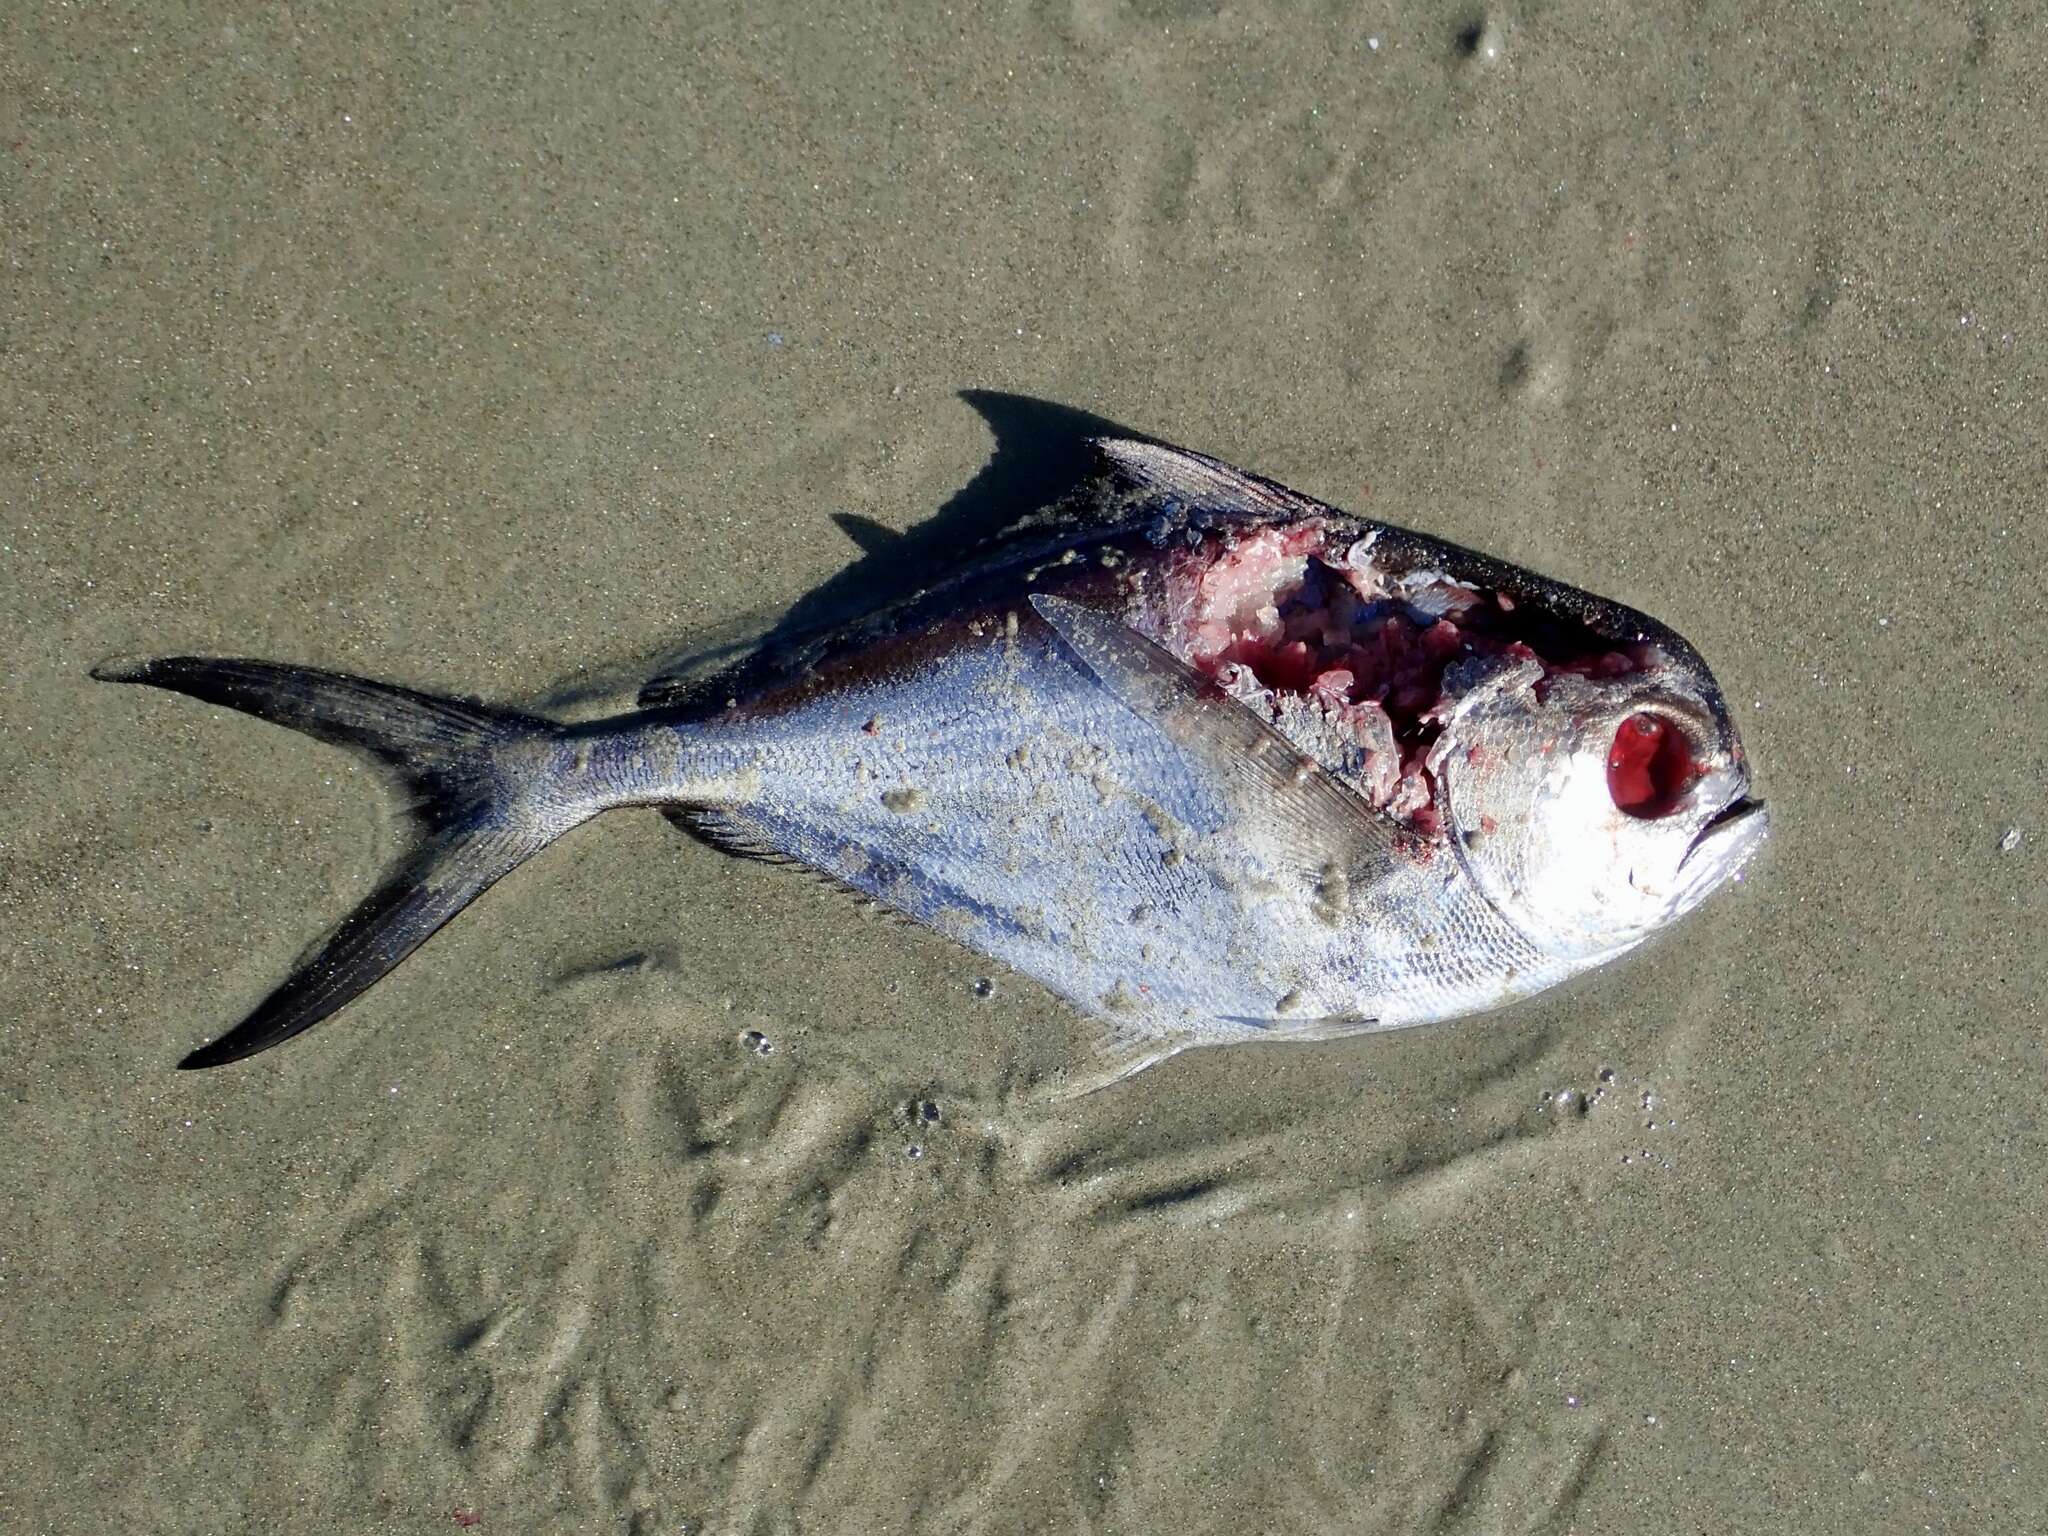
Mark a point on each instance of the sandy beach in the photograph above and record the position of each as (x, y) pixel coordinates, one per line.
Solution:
(511, 353)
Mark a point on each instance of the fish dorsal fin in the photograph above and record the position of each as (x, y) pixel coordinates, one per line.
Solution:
(1209, 488)
(1297, 814)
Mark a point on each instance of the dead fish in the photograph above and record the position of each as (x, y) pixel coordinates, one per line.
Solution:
(1208, 758)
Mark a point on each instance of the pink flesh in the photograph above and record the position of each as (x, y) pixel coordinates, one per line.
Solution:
(1281, 622)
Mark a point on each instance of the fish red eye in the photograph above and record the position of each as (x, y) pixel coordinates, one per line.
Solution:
(1650, 766)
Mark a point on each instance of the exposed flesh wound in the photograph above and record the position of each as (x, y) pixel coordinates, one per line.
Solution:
(1352, 661)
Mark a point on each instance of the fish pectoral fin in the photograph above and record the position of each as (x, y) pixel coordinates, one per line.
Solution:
(1292, 809)
(1209, 488)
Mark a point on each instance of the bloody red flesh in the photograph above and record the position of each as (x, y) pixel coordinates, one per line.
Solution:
(1281, 620)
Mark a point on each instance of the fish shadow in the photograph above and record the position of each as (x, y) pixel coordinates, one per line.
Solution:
(1042, 455)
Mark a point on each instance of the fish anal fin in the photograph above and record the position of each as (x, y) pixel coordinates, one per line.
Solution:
(1115, 1058)
(1332, 1027)
(1119, 1056)
(728, 833)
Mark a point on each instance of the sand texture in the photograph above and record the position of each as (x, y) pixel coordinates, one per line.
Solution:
(507, 351)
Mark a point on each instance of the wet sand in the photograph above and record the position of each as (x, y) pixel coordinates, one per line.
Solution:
(500, 353)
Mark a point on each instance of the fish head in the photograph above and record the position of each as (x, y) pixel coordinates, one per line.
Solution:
(1590, 809)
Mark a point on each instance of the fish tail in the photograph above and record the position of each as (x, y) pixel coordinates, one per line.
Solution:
(488, 793)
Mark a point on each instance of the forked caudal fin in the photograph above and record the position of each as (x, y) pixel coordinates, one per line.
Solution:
(486, 797)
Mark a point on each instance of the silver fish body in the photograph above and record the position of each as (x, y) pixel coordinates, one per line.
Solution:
(1003, 796)
(1208, 759)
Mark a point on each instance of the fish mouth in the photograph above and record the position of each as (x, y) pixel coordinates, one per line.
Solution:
(1730, 835)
